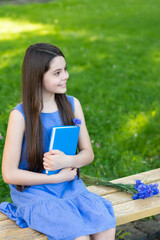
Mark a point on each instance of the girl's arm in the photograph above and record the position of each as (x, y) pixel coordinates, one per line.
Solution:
(55, 159)
(11, 157)
(85, 155)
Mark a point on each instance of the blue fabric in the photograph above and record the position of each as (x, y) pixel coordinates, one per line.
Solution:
(61, 211)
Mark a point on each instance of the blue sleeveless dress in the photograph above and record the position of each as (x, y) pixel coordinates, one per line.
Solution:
(62, 211)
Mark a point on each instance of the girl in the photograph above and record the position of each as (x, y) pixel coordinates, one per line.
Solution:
(57, 205)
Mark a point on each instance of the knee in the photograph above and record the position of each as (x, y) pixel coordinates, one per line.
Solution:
(106, 235)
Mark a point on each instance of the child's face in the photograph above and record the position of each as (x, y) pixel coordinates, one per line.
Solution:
(55, 79)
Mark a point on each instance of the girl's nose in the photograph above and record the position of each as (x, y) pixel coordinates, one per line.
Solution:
(65, 75)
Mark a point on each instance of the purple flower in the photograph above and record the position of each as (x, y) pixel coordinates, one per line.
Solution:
(155, 189)
(77, 121)
(144, 190)
(138, 182)
(136, 196)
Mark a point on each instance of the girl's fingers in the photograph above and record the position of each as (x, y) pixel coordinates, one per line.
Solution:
(55, 151)
(45, 165)
(47, 168)
(46, 160)
(46, 153)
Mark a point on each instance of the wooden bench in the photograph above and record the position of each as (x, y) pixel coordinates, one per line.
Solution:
(126, 209)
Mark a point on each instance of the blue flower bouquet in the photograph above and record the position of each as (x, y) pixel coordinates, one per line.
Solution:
(139, 190)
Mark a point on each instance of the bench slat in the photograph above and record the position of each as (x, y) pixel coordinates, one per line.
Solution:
(3, 216)
(134, 210)
(7, 224)
(100, 190)
(11, 232)
(146, 177)
(118, 197)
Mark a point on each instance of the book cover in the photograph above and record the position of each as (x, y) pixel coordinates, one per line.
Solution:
(65, 139)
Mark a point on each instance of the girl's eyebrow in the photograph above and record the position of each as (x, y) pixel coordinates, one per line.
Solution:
(59, 68)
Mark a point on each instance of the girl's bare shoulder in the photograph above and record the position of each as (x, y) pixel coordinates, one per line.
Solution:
(77, 103)
(16, 115)
(78, 109)
(16, 119)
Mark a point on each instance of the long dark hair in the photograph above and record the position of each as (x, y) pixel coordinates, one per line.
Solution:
(36, 62)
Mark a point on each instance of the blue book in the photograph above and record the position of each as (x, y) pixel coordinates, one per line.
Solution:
(65, 139)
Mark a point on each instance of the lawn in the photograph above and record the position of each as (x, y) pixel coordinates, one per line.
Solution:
(112, 50)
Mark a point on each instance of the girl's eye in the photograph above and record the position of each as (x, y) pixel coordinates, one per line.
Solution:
(65, 69)
(57, 73)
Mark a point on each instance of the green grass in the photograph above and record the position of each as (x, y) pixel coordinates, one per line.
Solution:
(113, 53)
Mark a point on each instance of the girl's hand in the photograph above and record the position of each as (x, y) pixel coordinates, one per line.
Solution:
(67, 174)
(53, 160)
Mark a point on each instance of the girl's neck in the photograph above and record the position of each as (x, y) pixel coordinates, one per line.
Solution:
(49, 103)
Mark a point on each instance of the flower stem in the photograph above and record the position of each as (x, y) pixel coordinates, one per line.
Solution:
(104, 182)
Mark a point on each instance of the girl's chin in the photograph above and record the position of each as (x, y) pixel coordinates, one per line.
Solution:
(62, 90)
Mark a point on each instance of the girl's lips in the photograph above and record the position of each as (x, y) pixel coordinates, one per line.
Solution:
(63, 85)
